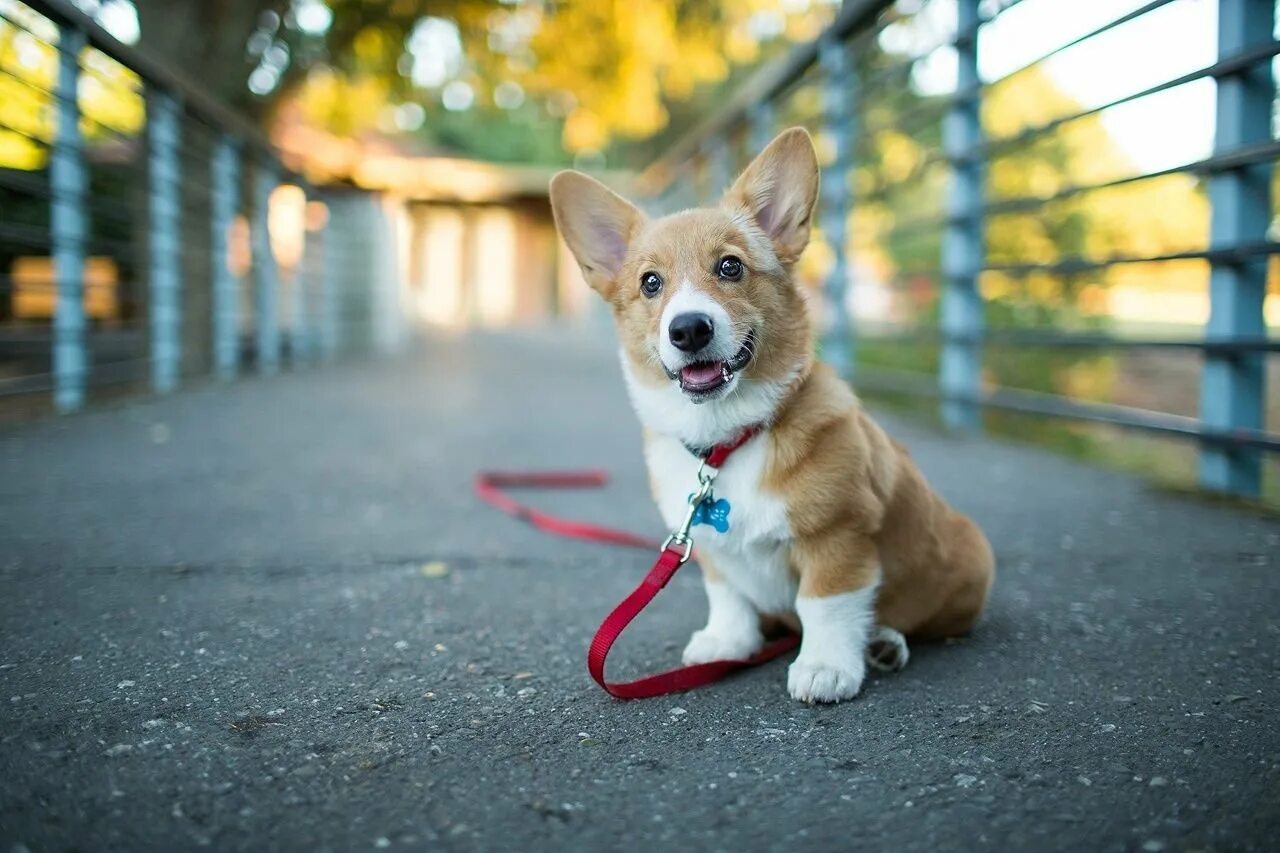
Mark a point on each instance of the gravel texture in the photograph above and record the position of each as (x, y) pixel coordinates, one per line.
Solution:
(272, 616)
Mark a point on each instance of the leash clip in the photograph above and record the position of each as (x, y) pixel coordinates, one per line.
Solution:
(681, 537)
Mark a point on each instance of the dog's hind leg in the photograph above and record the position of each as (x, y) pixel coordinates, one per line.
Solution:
(887, 649)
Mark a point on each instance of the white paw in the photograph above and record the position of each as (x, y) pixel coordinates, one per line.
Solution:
(823, 682)
(705, 646)
(887, 650)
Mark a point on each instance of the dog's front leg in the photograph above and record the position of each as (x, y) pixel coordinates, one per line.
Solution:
(733, 625)
(836, 605)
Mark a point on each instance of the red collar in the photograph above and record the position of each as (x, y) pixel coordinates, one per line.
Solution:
(720, 453)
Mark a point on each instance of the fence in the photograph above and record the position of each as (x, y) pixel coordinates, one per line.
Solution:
(975, 193)
(149, 235)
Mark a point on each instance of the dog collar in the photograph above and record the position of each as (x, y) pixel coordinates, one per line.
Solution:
(717, 455)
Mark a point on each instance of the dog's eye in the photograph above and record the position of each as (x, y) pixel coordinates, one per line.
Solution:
(650, 284)
(730, 268)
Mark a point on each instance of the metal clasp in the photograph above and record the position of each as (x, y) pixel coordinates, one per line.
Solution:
(681, 537)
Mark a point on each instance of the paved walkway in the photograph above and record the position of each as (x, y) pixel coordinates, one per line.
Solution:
(272, 616)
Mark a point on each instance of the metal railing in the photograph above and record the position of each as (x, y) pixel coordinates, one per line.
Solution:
(150, 235)
(850, 90)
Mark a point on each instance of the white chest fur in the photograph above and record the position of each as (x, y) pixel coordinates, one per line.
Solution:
(752, 553)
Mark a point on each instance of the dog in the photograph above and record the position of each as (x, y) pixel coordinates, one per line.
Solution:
(828, 527)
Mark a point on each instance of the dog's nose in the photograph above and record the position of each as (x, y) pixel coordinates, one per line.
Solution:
(691, 332)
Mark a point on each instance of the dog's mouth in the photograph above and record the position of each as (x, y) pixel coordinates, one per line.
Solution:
(701, 380)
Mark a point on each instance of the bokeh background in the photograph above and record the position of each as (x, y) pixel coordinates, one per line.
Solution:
(442, 122)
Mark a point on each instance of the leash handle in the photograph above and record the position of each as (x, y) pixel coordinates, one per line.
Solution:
(489, 488)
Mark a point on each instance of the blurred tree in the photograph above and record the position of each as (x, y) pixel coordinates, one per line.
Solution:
(587, 72)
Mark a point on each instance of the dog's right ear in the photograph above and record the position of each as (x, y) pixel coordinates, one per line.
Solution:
(598, 225)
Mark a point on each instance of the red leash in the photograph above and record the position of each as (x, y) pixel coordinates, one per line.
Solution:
(674, 553)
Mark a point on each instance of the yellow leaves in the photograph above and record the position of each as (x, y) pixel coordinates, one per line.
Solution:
(900, 155)
(111, 96)
(740, 46)
(18, 152)
(108, 97)
(584, 130)
(370, 44)
(344, 105)
(622, 59)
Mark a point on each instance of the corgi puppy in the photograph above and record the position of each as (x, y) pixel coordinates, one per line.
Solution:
(826, 525)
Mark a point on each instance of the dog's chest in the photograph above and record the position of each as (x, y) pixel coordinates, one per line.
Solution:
(746, 533)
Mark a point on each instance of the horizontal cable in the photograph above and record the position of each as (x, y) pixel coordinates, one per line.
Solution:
(30, 137)
(1057, 406)
(100, 208)
(1054, 339)
(36, 94)
(1225, 255)
(1110, 25)
(904, 66)
(927, 109)
(1231, 65)
(39, 235)
(1244, 156)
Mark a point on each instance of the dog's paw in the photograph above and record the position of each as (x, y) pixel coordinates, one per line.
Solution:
(887, 650)
(823, 682)
(704, 646)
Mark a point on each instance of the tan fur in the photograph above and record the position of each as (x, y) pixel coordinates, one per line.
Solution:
(859, 509)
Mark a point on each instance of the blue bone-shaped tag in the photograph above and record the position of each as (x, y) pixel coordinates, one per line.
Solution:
(713, 512)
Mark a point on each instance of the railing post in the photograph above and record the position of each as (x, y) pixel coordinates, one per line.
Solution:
(760, 131)
(716, 154)
(686, 187)
(962, 246)
(328, 297)
(1233, 386)
(224, 199)
(300, 344)
(68, 226)
(165, 211)
(838, 92)
(265, 272)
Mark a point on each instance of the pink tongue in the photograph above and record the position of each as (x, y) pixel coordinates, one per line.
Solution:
(701, 374)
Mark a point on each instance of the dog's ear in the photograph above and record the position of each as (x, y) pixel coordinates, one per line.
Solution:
(779, 190)
(598, 225)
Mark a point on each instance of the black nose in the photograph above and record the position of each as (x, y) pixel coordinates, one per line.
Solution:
(691, 332)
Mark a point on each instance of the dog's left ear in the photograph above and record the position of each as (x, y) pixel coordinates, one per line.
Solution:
(779, 190)
(598, 225)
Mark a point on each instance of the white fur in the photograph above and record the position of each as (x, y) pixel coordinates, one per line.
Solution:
(831, 666)
(752, 554)
(665, 409)
(689, 299)
(733, 628)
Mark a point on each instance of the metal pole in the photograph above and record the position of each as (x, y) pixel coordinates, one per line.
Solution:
(962, 245)
(1233, 386)
(68, 225)
(300, 340)
(838, 91)
(166, 277)
(328, 288)
(718, 171)
(225, 173)
(265, 272)
(761, 129)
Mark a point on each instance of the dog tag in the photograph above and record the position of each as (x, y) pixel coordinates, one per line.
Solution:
(712, 512)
